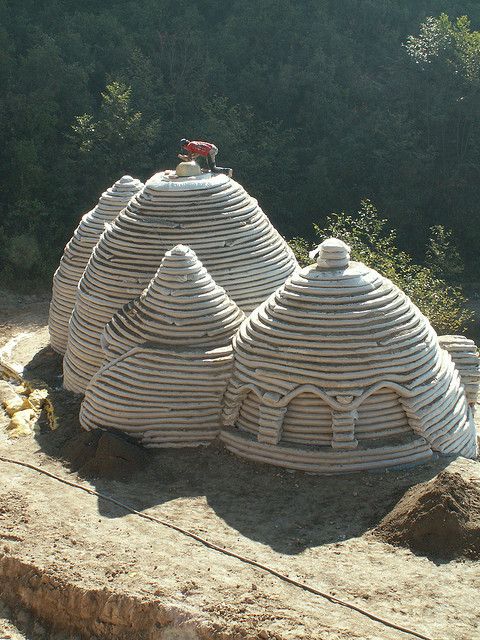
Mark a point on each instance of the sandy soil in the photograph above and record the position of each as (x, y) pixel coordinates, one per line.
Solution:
(81, 563)
(21, 314)
(19, 624)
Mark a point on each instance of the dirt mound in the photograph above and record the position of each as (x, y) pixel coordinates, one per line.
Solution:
(439, 518)
(102, 454)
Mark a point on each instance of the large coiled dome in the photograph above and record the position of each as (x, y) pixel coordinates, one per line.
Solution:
(211, 213)
(338, 370)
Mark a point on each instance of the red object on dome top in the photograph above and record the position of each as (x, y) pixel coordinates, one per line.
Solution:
(199, 147)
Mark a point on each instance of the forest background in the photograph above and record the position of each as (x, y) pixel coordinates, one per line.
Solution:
(317, 104)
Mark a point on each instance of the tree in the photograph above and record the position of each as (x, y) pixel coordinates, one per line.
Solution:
(314, 104)
(450, 44)
(442, 255)
(446, 98)
(118, 140)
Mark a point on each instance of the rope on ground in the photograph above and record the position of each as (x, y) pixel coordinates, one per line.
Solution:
(227, 552)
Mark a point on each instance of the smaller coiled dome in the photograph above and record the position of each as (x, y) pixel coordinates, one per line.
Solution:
(168, 358)
(181, 306)
(338, 370)
(464, 354)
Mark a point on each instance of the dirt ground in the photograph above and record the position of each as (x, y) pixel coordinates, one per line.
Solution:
(21, 314)
(72, 563)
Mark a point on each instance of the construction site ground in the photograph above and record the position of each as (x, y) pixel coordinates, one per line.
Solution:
(74, 564)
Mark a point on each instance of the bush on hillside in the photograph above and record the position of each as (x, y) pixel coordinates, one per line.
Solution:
(375, 244)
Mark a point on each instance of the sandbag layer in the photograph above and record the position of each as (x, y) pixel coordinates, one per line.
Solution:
(339, 371)
(211, 213)
(162, 397)
(77, 253)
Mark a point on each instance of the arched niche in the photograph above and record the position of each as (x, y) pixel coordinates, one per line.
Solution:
(381, 415)
(308, 420)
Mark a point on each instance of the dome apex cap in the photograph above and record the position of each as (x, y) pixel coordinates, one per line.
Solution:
(180, 250)
(332, 253)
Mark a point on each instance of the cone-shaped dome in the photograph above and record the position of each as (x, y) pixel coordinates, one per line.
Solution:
(169, 356)
(339, 371)
(181, 306)
(77, 253)
(212, 214)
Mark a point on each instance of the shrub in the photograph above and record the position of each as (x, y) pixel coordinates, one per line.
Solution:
(442, 255)
(375, 244)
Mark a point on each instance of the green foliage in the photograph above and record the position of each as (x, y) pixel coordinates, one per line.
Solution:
(23, 252)
(451, 43)
(446, 53)
(301, 248)
(85, 131)
(23, 263)
(375, 244)
(314, 105)
(442, 255)
(117, 141)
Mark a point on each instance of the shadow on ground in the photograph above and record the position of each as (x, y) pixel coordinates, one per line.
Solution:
(45, 366)
(287, 511)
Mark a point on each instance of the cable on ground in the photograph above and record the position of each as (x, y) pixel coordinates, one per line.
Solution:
(227, 552)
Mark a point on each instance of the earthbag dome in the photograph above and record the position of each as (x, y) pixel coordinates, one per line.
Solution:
(168, 359)
(77, 253)
(211, 213)
(339, 371)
